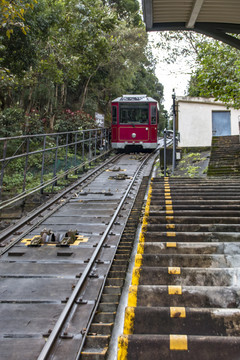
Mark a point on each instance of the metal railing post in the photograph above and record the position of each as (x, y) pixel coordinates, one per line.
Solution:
(55, 161)
(26, 165)
(174, 133)
(43, 162)
(75, 152)
(89, 147)
(3, 166)
(165, 152)
(83, 145)
(66, 156)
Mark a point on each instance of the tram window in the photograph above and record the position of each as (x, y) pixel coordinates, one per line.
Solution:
(153, 115)
(114, 114)
(134, 114)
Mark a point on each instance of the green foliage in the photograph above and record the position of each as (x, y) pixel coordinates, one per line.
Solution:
(69, 120)
(218, 73)
(77, 56)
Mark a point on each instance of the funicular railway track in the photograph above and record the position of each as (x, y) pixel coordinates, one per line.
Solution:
(63, 266)
(184, 300)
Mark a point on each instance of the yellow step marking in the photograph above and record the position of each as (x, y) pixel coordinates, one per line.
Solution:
(169, 218)
(171, 244)
(170, 226)
(122, 347)
(177, 312)
(142, 237)
(129, 320)
(168, 197)
(168, 202)
(138, 260)
(140, 248)
(169, 207)
(178, 342)
(132, 296)
(171, 233)
(169, 211)
(174, 290)
(136, 275)
(174, 270)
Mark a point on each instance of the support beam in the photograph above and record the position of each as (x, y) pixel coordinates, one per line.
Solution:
(194, 14)
(148, 13)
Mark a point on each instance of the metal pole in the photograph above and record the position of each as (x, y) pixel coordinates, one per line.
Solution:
(174, 133)
(3, 166)
(165, 152)
(43, 161)
(26, 166)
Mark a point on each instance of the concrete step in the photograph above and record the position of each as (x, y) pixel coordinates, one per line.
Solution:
(154, 218)
(189, 260)
(192, 236)
(172, 347)
(186, 248)
(191, 296)
(181, 320)
(149, 275)
(195, 227)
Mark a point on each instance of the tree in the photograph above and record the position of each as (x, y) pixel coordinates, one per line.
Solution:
(218, 73)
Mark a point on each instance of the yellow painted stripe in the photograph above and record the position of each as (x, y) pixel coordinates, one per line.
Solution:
(132, 295)
(171, 233)
(136, 275)
(138, 260)
(129, 320)
(169, 218)
(178, 342)
(170, 226)
(122, 347)
(174, 270)
(141, 237)
(168, 197)
(174, 290)
(177, 312)
(140, 248)
(168, 202)
(169, 207)
(171, 244)
(169, 211)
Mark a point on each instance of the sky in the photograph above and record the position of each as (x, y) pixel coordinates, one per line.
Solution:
(172, 76)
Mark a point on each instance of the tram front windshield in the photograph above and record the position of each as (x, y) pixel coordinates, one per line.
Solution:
(133, 114)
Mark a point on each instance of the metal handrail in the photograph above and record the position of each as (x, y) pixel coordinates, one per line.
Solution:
(83, 148)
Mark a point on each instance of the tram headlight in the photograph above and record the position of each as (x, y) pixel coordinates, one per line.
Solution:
(133, 135)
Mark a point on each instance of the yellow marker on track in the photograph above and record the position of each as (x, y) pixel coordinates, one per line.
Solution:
(178, 342)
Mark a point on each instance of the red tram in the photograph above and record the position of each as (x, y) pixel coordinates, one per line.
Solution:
(134, 122)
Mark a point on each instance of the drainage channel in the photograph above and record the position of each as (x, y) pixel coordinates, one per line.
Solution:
(53, 278)
(183, 302)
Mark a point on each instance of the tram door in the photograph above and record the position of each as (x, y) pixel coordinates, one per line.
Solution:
(221, 123)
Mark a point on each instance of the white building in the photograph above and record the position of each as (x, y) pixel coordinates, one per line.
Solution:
(198, 119)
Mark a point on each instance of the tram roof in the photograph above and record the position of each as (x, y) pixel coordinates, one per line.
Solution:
(219, 19)
(134, 98)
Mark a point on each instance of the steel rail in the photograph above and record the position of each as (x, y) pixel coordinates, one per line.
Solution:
(9, 231)
(109, 267)
(59, 324)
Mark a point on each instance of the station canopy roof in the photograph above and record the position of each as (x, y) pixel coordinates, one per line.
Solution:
(216, 18)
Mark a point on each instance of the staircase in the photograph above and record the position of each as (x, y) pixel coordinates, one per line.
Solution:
(225, 156)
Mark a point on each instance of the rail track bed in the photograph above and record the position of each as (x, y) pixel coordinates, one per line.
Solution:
(61, 277)
(184, 300)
